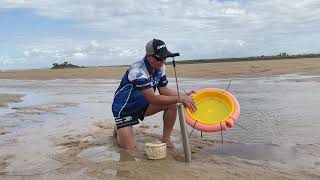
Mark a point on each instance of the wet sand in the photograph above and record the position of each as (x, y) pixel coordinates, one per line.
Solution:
(68, 148)
(9, 98)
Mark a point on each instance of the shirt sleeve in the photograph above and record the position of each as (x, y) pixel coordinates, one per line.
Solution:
(139, 78)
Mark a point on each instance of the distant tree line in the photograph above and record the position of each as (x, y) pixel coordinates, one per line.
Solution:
(284, 54)
(65, 65)
(279, 56)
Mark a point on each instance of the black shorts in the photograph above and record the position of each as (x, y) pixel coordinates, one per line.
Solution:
(131, 119)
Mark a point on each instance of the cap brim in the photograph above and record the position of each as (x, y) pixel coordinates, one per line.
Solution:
(166, 55)
(169, 54)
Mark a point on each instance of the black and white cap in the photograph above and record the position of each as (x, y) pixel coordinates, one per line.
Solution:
(157, 48)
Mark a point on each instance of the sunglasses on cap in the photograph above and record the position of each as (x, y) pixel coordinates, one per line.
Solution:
(157, 58)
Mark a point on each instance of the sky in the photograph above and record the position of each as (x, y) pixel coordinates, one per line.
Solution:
(38, 33)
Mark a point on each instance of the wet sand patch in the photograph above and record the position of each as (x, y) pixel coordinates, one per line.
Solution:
(5, 128)
(95, 154)
(96, 151)
(3, 132)
(43, 108)
(263, 152)
(4, 163)
(10, 98)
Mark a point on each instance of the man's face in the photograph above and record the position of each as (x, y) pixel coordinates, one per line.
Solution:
(156, 62)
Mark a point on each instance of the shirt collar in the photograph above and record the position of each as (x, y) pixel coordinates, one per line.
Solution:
(146, 62)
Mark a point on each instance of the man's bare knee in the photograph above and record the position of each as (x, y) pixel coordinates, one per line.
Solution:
(171, 107)
(125, 138)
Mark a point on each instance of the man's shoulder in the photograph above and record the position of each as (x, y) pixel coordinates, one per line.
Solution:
(137, 74)
(138, 65)
(137, 70)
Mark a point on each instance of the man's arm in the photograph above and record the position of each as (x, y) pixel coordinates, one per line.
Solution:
(167, 91)
(170, 98)
(161, 99)
(171, 92)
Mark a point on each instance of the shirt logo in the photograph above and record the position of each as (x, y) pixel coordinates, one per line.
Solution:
(155, 83)
(139, 75)
(123, 119)
(144, 85)
(161, 46)
(126, 119)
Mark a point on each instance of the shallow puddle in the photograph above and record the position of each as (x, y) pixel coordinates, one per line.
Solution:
(263, 152)
(100, 154)
(106, 153)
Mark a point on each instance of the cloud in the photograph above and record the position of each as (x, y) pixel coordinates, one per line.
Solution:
(26, 53)
(94, 43)
(7, 62)
(4, 60)
(115, 32)
(232, 11)
(80, 55)
(241, 43)
(92, 52)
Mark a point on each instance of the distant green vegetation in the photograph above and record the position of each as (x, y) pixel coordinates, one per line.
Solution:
(279, 56)
(65, 65)
(254, 58)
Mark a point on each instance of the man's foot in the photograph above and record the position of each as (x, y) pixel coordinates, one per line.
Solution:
(170, 144)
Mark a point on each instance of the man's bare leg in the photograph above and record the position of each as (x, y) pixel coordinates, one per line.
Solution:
(169, 118)
(125, 137)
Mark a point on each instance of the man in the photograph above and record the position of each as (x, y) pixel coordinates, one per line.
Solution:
(135, 97)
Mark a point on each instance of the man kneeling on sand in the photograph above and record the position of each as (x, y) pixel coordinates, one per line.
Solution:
(135, 97)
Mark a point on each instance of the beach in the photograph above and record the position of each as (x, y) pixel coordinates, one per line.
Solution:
(307, 66)
(57, 124)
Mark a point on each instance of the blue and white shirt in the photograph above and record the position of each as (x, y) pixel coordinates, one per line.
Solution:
(128, 99)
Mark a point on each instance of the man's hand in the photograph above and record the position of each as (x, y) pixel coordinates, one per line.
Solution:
(191, 92)
(189, 103)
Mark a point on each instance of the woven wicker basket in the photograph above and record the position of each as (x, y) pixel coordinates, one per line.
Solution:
(156, 151)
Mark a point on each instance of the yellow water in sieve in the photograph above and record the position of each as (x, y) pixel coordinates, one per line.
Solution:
(213, 106)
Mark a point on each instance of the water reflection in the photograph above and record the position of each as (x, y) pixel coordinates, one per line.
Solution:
(254, 152)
